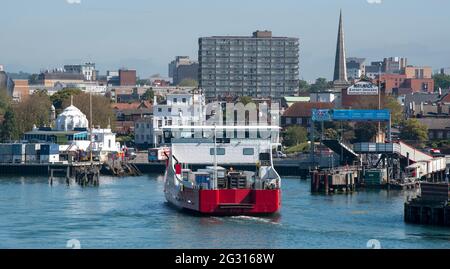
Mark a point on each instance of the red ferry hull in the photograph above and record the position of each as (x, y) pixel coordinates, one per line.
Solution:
(228, 201)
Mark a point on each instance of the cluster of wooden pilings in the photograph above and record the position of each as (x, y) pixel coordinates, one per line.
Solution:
(333, 180)
(88, 175)
(85, 174)
(432, 207)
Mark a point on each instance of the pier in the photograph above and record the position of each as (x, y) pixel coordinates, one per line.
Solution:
(84, 173)
(432, 207)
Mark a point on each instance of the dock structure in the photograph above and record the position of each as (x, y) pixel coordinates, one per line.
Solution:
(84, 173)
(432, 207)
(338, 180)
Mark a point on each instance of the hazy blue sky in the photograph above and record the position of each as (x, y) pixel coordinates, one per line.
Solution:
(146, 34)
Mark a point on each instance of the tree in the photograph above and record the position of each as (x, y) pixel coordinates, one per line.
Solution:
(321, 84)
(441, 81)
(63, 95)
(5, 101)
(330, 134)
(365, 131)
(148, 95)
(413, 129)
(396, 109)
(245, 100)
(33, 111)
(295, 135)
(188, 83)
(102, 112)
(142, 82)
(33, 79)
(8, 130)
(304, 86)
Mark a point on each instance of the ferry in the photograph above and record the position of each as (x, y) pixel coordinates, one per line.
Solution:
(200, 176)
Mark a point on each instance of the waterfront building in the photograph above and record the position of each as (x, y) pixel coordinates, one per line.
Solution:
(128, 113)
(143, 132)
(260, 65)
(183, 68)
(299, 114)
(72, 130)
(87, 70)
(178, 109)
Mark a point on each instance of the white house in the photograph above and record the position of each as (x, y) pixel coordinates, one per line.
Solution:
(178, 109)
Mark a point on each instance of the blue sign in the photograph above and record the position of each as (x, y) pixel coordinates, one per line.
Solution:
(321, 115)
(350, 115)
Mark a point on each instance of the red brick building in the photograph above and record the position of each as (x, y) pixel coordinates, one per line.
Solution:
(396, 82)
(127, 77)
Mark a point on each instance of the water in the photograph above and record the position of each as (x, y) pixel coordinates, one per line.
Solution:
(132, 213)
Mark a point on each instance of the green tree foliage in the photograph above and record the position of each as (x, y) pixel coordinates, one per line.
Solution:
(188, 83)
(148, 95)
(8, 130)
(396, 109)
(331, 134)
(245, 99)
(365, 131)
(304, 86)
(441, 81)
(63, 95)
(33, 79)
(142, 82)
(321, 84)
(413, 129)
(295, 135)
(5, 101)
(102, 112)
(33, 110)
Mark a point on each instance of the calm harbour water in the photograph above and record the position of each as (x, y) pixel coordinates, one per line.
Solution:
(132, 213)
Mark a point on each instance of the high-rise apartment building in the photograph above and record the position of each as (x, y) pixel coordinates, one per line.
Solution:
(258, 66)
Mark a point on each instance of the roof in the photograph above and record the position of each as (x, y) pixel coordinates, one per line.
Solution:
(290, 99)
(63, 76)
(132, 106)
(304, 109)
(436, 123)
(420, 97)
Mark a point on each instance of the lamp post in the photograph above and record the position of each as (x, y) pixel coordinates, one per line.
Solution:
(379, 95)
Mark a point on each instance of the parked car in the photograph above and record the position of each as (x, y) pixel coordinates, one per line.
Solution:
(130, 153)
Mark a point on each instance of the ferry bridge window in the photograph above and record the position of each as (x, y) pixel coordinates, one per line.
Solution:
(220, 151)
(248, 151)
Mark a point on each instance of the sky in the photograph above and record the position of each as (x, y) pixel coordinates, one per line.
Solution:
(147, 34)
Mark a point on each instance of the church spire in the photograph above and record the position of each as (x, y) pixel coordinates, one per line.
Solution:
(340, 66)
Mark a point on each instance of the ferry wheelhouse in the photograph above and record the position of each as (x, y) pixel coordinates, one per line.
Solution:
(209, 174)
